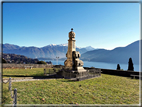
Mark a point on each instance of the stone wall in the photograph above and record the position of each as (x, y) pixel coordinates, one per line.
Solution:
(118, 72)
(23, 65)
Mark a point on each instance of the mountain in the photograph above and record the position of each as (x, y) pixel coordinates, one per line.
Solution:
(10, 46)
(117, 55)
(49, 51)
(89, 48)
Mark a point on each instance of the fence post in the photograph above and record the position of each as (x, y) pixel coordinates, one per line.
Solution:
(55, 71)
(15, 97)
(44, 71)
(10, 87)
(49, 72)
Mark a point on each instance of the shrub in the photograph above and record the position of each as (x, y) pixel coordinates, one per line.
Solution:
(41, 62)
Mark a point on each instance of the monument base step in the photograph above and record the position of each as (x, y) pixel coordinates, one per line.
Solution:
(78, 76)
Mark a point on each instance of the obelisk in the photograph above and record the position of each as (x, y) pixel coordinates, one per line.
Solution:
(71, 47)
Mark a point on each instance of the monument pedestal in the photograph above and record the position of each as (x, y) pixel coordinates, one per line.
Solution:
(70, 73)
(79, 75)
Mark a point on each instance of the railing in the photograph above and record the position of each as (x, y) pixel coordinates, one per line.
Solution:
(68, 74)
(50, 72)
(89, 73)
(14, 96)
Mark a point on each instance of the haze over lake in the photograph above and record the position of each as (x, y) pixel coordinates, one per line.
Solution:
(100, 65)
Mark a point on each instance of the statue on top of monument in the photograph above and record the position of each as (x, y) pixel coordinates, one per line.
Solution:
(71, 35)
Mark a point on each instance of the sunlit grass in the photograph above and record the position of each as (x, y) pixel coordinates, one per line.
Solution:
(106, 89)
(24, 72)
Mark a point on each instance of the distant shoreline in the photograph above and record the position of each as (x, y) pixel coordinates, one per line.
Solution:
(63, 59)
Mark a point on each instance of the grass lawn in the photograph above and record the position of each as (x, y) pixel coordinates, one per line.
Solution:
(107, 89)
(14, 73)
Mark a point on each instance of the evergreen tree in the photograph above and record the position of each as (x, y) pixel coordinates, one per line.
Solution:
(41, 62)
(130, 65)
(118, 67)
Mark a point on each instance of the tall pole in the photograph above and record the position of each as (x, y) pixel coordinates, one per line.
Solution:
(57, 59)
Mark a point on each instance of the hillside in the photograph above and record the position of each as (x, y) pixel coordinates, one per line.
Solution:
(18, 59)
(117, 55)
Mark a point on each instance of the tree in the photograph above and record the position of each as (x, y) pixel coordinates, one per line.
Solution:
(130, 65)
(41, 62)
(3, 61)
(118, 67)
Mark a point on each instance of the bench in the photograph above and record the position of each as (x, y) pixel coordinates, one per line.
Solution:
(133, 76)
(28, 67)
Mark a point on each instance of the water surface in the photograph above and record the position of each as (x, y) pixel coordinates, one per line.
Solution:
(99, 65)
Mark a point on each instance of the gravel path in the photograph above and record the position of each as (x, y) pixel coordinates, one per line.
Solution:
(26, 79)
(20, 80)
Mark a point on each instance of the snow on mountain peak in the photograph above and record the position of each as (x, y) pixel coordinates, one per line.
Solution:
(66, 44)
(52, 45)
(78, 47)
(88, 48)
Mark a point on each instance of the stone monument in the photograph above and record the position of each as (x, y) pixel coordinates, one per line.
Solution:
(73, 63)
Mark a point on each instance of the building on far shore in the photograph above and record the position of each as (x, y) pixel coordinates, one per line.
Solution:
(49, 62)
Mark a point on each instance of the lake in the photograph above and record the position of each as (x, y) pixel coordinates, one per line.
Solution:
(99, 65)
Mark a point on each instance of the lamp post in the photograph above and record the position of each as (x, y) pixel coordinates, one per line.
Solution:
(8, 57)
(57, 59)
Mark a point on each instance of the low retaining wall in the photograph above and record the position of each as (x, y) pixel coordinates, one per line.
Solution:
(118, 72)
(23, 65)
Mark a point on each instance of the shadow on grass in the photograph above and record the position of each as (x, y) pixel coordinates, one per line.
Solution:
(67, 80)
(35, 76)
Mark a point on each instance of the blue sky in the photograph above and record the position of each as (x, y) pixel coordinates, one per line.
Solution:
(100, 25)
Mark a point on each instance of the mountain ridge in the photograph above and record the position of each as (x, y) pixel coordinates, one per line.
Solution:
(116, 55)
(49, 51)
